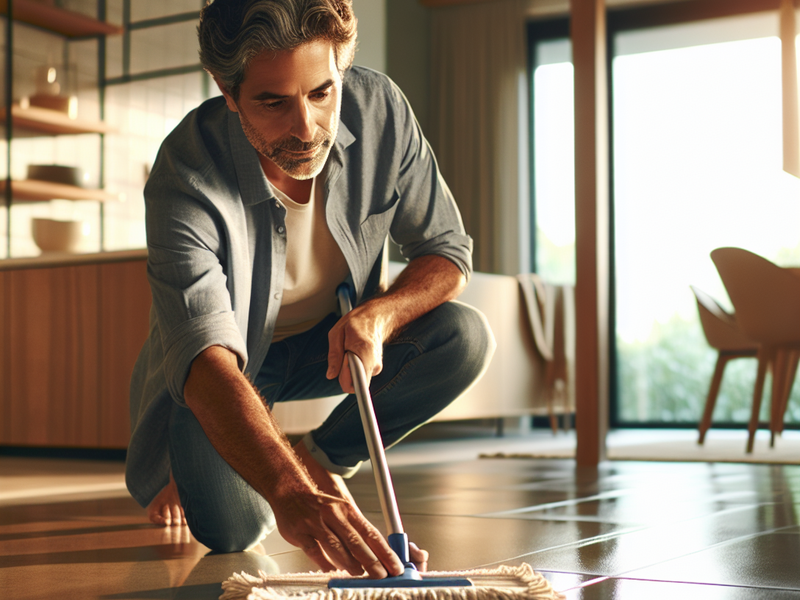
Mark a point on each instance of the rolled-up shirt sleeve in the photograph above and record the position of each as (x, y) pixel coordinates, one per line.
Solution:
(187, 272)
(427, 220)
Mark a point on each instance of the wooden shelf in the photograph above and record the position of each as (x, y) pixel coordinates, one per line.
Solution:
(58, 20)
(35, 120)
(31, 190)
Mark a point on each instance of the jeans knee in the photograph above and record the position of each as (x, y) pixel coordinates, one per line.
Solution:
(472, 343)
(225, 534)
(222, 510)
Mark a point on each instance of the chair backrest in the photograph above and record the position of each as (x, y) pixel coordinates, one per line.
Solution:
(719, 326)
(765, 296)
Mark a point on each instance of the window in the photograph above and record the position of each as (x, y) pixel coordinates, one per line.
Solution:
(696, 164)
(553, 168)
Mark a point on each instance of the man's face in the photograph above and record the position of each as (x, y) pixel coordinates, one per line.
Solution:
(289, 106)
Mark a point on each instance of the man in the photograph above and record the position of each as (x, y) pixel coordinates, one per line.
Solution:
(259, 205)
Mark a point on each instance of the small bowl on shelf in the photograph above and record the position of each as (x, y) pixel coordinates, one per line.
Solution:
(57, 174)
(67, 105)
(52, 235)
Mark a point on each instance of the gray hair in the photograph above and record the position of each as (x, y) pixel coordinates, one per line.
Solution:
(233, 32)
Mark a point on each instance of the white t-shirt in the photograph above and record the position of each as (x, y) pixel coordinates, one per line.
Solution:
(315, 265)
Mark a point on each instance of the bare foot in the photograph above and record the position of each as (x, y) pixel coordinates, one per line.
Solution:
(166, 509)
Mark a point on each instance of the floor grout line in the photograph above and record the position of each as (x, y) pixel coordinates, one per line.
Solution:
(721, 544)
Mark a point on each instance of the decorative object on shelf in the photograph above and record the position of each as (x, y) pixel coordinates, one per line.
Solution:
(52, 235)
(58, 174)
(54, 90)
(48, 81)
(63, 104)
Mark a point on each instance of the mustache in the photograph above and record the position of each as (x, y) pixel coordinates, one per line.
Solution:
(293, 144)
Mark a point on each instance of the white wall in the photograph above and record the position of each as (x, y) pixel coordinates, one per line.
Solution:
(371, 49)
(408, 53)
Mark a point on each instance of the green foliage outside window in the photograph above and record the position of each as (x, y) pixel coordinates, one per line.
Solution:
(665, 379)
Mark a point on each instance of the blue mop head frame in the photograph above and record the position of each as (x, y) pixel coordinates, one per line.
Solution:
(410, 577)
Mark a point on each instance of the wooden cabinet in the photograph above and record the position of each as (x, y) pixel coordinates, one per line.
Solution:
(69, 338)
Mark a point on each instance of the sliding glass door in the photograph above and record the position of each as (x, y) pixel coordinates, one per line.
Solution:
(553, 168)
(696, 164)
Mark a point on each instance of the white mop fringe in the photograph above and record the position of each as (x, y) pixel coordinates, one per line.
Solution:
(502, 583)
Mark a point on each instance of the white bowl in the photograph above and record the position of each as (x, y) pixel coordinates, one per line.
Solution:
(58, 236)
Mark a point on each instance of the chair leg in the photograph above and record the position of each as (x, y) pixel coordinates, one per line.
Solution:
(779, 364)
(711, 400)
(792, 360)
(764, 355)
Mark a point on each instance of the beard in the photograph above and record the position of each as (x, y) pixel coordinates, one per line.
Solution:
(284, 151)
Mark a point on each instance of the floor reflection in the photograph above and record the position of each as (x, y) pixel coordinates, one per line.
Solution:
(627, 530)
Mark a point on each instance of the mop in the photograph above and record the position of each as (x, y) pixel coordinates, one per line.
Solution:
(502, 583)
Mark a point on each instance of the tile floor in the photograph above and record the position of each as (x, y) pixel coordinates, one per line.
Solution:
(626, 530)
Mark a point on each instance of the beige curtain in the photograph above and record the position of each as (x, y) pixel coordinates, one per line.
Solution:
(478, 125)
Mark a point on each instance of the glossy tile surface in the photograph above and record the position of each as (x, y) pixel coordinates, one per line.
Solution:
(614, 589)
(626, 530)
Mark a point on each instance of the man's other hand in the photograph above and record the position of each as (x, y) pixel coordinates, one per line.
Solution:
(363, 332)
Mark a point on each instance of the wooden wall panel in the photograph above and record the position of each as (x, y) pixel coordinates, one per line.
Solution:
(124, 317)
(72, 347)
(30, 307)
(51, 357)
(69, 337)
(81, 346)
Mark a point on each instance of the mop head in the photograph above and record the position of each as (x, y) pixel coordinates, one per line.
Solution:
(503, 583)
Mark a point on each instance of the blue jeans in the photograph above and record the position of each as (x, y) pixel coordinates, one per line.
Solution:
(427, 366)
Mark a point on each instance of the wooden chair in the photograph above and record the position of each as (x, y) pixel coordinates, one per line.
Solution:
(766, 299)
(723, 334)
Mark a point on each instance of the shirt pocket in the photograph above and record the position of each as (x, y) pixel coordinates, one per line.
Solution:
(376, 226)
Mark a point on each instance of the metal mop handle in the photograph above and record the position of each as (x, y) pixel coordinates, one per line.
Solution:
(383, 478)
(398, 540)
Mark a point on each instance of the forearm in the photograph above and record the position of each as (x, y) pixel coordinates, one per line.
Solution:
(241, 428)
(424, 284)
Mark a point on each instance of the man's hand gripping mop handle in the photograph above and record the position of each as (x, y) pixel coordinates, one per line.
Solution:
(397, 538)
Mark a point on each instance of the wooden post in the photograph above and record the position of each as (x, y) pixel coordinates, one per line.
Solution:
(588, 33)
(791, 122)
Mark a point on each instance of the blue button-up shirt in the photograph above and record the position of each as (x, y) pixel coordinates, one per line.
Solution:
(216, 241)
